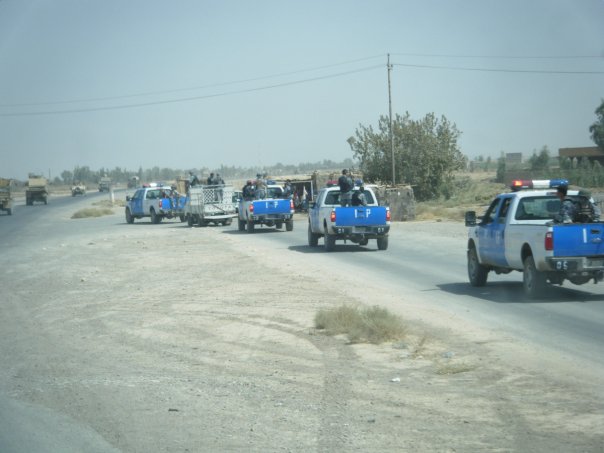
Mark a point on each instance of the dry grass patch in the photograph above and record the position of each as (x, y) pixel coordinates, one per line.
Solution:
(361, 325)
(91, 212)
(108, 204)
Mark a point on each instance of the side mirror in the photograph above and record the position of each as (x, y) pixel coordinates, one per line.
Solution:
(470, 218)
(128, 198)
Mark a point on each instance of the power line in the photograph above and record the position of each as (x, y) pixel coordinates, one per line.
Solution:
(504, 57)
(526, 71)
(177, 90)
(192, 98)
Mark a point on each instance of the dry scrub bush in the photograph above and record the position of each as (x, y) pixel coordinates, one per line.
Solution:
(91, 212)
(372, 325)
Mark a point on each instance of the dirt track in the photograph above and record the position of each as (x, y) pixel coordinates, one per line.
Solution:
(179, 348)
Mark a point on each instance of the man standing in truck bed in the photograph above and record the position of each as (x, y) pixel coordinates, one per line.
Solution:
(346, 186)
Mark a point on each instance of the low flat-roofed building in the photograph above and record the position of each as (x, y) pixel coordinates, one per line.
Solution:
(586, 152)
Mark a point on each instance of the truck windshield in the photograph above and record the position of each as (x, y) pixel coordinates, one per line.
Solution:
(537, 208)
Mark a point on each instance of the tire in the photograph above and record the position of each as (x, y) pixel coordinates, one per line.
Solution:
(240, 225)
(189, 220)
(228, 222)
(129, 218)
(533, 281)
(329, 242)
(250, 226)
(182, 217)
(9, 211)
(289, 225)
(477, 273)
(382, 243)
(154, 217)
(313, 238)
(278, 225)
(364, 242)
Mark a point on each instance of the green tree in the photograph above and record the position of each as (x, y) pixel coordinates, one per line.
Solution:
(540, 162)
(597, 128)
(500, 176)
(426, 153)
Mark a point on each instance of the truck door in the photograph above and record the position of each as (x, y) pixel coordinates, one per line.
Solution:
(486, 232)
(313, 213)
(137, 202)
(496, 239)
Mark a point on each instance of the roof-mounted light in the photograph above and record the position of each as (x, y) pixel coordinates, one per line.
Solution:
(520, 184)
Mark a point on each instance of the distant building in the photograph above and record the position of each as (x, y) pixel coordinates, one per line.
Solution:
(513, 158)
(593, 153)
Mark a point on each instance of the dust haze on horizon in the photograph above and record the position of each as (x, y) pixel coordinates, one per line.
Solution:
(195, 84)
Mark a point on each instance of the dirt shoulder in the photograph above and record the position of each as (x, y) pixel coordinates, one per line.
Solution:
(162, 338)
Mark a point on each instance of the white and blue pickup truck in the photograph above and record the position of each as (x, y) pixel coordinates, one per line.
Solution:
(156, 202)
(518, 233)
(272, 211)
(357, 224)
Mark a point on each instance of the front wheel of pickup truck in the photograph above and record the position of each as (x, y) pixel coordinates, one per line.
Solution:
(382, 243)
(534, 282)
(129, 218)
(329, 242)
(477, 273)
(313, 238)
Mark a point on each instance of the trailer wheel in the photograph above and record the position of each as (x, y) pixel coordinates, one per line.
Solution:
(289, 225)
(534, 282)
(250, 226)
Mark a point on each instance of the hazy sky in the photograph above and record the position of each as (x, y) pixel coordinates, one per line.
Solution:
(189, 84)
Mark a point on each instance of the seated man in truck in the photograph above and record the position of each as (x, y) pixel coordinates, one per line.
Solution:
(359, 198)
(567, 206)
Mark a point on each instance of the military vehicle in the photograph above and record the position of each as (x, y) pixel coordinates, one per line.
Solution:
(6, 202)
(105, 184)
(37, 190)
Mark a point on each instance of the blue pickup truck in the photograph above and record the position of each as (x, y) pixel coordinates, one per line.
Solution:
(156, 202)
(357, 224)
(518, 233)
(272, 211)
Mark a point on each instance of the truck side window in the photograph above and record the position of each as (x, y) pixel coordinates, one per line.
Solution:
(503, 212)
(489, 216)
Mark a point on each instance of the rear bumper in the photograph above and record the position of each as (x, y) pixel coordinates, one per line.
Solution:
(369, 232)
(271, 217)
(575, 264)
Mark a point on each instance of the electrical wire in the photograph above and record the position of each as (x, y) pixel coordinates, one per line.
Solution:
(192, 98)
(177, 90)
(527, 71)
(505, 57)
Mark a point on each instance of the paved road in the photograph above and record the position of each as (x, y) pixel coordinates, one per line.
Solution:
(569, 321)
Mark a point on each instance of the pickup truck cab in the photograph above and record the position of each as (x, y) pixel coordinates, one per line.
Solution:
(518, 233)
(270, 211)
(156, 202)
(358, 224)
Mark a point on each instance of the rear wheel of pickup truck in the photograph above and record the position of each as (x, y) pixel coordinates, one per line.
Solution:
(241, 225)
(313, 238)
(534, 282)
(250, 226)
(477, 273)
(154, 217)
(129, 218)
(289, 225)
(329, 242)
(382, 243)
(189, 220)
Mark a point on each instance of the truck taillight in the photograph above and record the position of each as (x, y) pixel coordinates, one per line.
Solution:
(161, 204)
(251, 207)
(549, 240)
(332, 216)
(291, 205)
(387, 215)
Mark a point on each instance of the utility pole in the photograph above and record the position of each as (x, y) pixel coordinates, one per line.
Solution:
(390, 118)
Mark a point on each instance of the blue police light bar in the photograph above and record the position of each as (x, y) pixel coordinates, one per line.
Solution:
(519, 184)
